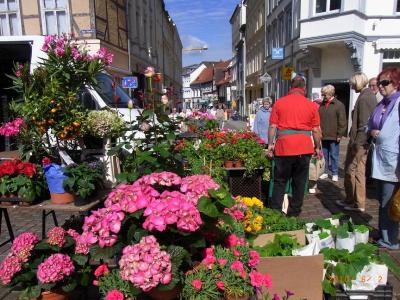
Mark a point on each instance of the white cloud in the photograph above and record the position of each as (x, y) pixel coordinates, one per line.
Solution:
(190, 41)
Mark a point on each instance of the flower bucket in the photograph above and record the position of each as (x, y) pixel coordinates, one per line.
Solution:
(361, 237)
(164, 295)
(52, 295)
(55, 177)
(238, 163)
(346, 243)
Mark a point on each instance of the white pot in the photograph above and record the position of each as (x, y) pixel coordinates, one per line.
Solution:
(362, 238)
(327, 242)
(346, 243)
(312, 236)
(334, 222)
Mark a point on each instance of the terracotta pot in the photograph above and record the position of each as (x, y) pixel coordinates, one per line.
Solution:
(238, 163)
(228, 164)
(52, 295)
(63, 198)
(164, 295)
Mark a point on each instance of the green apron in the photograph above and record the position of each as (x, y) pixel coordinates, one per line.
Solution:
(288, 188)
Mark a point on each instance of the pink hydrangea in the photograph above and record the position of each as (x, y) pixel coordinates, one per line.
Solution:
(10, 266)
(56, 236)
(82, 243)
(23, 245)
(162, 178)
(196, 186)
(12, 128)
(102, 226)
(55, 268)
(145, 265)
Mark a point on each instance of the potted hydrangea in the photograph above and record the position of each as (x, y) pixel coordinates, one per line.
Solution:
(45, 269)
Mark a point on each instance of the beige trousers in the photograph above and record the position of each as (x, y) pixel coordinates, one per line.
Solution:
(354, 178)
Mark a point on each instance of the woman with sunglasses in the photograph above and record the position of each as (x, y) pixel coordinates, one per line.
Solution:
(384, 128)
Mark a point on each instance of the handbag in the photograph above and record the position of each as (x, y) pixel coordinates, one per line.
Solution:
(394, 206)
(317, 168)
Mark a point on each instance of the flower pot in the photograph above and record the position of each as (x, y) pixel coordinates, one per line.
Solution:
(63, 198)
(237, 298)
(327, 242)
(164, 295)
(346, 243)
(238, 163)
(52, 295)
(361, 237)
(228, 164)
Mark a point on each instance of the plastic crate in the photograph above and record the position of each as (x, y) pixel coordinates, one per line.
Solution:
(382, 292)
(253, 186)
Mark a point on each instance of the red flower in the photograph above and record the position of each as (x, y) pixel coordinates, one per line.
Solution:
(9, 167)
(101, 270)
(220, 285)
(29, 169)
(197, 284)
(46, 161)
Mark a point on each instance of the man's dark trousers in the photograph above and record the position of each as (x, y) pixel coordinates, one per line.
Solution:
(295, 167)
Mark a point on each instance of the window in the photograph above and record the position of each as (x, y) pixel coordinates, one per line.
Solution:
(323, 6)
(10, 22)
(55, 16)
(288, 25)
(398, 6)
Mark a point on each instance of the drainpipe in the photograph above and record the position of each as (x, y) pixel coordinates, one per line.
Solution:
(129, 40)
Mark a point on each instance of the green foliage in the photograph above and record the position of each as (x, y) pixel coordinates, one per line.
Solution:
(323, 235)
(275, 221)
(113, 281)
(151, 141)
(83, 179)
(103, 123)
(361, 228)
(282, 245)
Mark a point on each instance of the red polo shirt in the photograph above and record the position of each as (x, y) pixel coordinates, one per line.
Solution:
(295, 112)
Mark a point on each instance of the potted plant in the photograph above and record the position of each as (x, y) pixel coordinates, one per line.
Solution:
(47, 269)
(101, 124)
(361, 233)
(228, 273)
(83, 180)
(55, 177)
(20, 182)
(345, 237)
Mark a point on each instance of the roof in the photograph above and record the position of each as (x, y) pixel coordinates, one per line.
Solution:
(205, 76)
(214, 71)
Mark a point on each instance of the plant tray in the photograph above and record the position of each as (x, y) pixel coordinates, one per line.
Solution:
(382, 292)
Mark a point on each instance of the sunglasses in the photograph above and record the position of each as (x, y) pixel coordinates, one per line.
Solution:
(384, 82)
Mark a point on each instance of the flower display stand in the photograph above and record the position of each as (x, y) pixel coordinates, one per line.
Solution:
(253, 186)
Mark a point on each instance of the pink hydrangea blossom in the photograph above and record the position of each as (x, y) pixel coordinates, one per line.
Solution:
(23, 245)
(196, 186)
(115, 295)
(55, 268)
(162, 178)
(102, 226)
(82, 242)
(145, 265)
(56, 236)
(12, 128)
(10, 266)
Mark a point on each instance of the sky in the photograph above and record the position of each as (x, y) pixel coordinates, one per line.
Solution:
(203, 23)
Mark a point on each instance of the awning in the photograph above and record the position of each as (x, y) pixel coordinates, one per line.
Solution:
(387, 44)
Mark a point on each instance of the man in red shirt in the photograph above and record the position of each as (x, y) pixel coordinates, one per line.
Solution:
(294, 126)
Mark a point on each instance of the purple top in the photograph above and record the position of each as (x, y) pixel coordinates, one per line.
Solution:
(382, 110)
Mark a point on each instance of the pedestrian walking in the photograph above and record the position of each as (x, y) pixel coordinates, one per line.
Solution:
(294, 120)
(373, 85)
(220, 115)
(332, 113)
(261, 121)
(357, 150)
(384, 128)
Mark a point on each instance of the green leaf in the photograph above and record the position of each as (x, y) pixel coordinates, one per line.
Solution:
(200, 243)
(328, 287)
(139, 234)
(208, 208)
(80, 259)
(47, 286)
(70, 286)
(104, 253)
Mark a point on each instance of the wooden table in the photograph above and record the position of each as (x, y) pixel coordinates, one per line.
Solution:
(48, 208)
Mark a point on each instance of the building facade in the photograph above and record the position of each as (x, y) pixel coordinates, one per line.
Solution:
(255, 50)
(138, 33)
(189, 74)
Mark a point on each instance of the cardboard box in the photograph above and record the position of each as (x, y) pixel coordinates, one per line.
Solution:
(301, 275)
(263, 239)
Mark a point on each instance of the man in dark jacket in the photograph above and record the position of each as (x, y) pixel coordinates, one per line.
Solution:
(332, 113)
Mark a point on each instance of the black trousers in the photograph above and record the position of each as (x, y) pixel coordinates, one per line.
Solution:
(294, 167)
